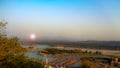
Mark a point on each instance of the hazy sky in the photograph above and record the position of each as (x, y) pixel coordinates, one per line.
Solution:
(62, 19)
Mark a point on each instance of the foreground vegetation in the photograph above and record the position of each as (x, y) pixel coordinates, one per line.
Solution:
(12, 55)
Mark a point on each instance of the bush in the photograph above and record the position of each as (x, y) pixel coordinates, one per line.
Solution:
(11, 55)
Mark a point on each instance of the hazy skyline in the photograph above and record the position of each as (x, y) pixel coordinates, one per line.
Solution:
(62, 19)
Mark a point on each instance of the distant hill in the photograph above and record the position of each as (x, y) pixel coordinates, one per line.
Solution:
(109, 45)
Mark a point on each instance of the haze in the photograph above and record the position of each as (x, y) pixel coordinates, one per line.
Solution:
(62, 19)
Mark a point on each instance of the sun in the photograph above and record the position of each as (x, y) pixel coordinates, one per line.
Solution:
(32, 36)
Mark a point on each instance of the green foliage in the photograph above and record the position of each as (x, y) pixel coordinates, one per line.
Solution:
(59, 51)
(12, 55)
(20, 62)
(9, 47)
(87, 64)
(97, 52)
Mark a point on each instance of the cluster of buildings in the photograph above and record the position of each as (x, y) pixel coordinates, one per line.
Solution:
(114, 63)
(62, 63)
(75, 63)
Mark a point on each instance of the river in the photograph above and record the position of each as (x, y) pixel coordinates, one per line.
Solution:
(33, 54)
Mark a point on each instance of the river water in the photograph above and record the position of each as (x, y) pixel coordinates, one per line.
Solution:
(33, 54)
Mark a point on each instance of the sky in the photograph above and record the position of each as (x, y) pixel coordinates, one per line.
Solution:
(75, 20)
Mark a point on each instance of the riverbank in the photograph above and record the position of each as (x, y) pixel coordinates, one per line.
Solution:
(72, 52)
(103, 51)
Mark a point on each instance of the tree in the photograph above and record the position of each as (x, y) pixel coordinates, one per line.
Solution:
(87, 64)
(3, 32)
(12, 55)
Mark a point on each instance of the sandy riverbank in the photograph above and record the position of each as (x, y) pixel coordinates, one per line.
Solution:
(103, 51)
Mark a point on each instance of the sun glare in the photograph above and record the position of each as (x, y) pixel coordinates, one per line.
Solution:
(32, 36)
